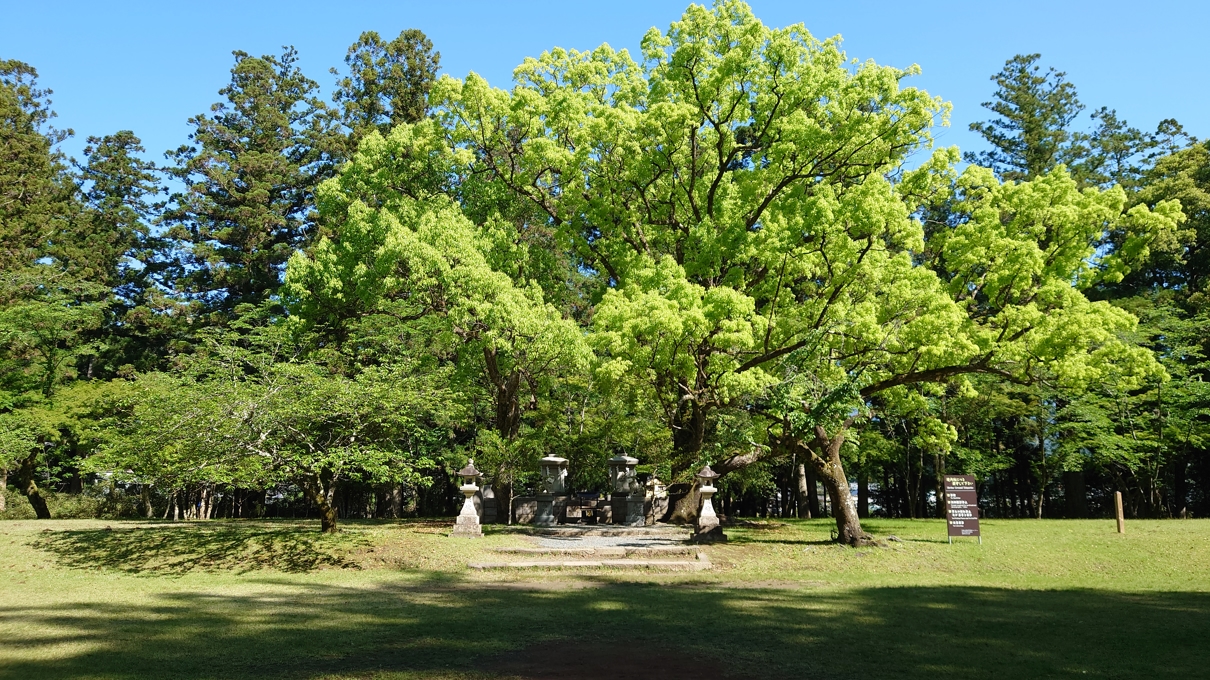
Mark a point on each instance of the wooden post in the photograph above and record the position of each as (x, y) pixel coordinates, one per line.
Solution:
(1117, 502)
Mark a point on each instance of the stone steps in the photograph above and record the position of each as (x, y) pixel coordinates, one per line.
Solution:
(699, 564)
(668, 532)
(611, 551)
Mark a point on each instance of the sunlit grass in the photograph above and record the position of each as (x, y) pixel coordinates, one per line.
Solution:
(276, 598)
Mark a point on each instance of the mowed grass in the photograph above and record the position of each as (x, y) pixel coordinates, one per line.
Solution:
(1039, 599)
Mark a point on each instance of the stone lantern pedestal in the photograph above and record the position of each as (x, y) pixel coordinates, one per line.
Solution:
(554, 483)
(467, 523)
(707, 528)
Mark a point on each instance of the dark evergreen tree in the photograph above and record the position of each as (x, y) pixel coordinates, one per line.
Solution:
(35, 191)
(1035, 109)
(387, 83)
(250, 175)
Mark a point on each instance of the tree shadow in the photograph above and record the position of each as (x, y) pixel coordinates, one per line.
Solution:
(452, 627)
(178, 549)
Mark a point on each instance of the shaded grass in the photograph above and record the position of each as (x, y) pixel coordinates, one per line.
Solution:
(276, 599)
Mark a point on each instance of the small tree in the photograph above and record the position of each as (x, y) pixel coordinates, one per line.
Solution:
(252, 410)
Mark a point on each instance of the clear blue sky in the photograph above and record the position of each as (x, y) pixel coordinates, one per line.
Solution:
(149, 66)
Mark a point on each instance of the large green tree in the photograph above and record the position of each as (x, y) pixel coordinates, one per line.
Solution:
(403, 252)
(743, 195)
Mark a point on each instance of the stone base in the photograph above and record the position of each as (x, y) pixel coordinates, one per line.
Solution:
(545, 514)
(467, 527)
(634, 513)
(708, 534)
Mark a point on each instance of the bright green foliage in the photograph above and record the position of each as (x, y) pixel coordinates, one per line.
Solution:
(733, 191)
(44, 329)
(17, 440)
(250, 179)
(415, 257)
(701, 186)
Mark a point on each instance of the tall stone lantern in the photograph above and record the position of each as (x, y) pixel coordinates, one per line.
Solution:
(467, 523)
(707, 529)
(628, 493)
(554, 483)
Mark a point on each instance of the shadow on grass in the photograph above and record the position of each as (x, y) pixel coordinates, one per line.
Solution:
(445, 626)
(177, 549)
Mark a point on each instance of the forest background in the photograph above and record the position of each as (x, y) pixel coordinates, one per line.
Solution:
(737, 247)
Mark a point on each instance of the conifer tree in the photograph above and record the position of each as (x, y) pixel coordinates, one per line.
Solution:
(250, 175)
(1035, 110)
(387, 83)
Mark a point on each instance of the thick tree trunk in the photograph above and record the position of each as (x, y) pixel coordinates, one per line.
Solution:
(813, 508)
(828, 466)
(396, 501)
(323, 500)
(29, 488)
(507, 397)
(3, 490)
(145, 495)
(685, 511)
(844, 509)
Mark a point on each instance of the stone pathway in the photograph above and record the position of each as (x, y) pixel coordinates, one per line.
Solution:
(610, 546)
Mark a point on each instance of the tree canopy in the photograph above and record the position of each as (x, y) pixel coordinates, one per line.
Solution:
(739, 247)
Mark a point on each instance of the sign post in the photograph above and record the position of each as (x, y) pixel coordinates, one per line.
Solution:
(961, 507)
(1117, 507)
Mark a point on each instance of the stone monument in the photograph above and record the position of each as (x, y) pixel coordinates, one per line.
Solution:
(467, 523)
(554, 483)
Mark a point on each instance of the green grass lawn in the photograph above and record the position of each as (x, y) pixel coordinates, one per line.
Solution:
(108, 599)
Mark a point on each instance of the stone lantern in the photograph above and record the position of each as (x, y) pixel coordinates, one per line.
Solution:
(707, 529)
(554, 483)
(467, 523)
(628, 493)
(621, 471)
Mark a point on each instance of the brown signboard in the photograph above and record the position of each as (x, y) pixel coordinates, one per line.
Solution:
(961, 506)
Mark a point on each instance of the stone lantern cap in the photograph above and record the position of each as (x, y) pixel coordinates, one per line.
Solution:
(623, 459)
(469, 471)
(707, 475)
(553, 460)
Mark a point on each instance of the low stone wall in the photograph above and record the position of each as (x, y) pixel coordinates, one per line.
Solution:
(526, 507)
